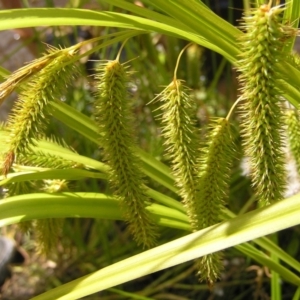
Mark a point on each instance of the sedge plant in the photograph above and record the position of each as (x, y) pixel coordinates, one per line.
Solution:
(199, 170)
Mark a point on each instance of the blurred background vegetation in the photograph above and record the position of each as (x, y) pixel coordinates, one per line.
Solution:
(86, 245)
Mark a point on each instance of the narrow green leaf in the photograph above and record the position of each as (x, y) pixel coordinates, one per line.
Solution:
(291, 15)
(68, 174)
(243, 228)
(78, 205)
(202, 21)
(266, 244)
(20, 18)
(297, 294)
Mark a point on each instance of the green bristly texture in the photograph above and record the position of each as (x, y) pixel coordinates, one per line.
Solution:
(203, 185)
(48, 231)
(178, 128)
(29, 113)
(261, 112)
(293, 129)
(214, 178)
(46, 160)
(40, 159)
(113, 115)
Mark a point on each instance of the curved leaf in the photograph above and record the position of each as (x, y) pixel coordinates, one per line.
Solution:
(243, 228)
(78, 205)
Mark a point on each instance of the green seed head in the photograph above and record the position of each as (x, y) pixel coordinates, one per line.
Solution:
(114, 118)
(261, 111)
(27, 120)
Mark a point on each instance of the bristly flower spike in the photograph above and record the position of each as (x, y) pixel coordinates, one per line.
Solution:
(26, 72)
(203, 183)
(178, 129)
(215, 161)
(293, 130)
(113, 115)
(28, 117)
(48, 231)
(261, 110)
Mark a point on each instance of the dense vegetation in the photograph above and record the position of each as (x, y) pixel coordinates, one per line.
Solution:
(155, 120)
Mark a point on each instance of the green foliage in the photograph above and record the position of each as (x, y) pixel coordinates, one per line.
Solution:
(111, 181)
